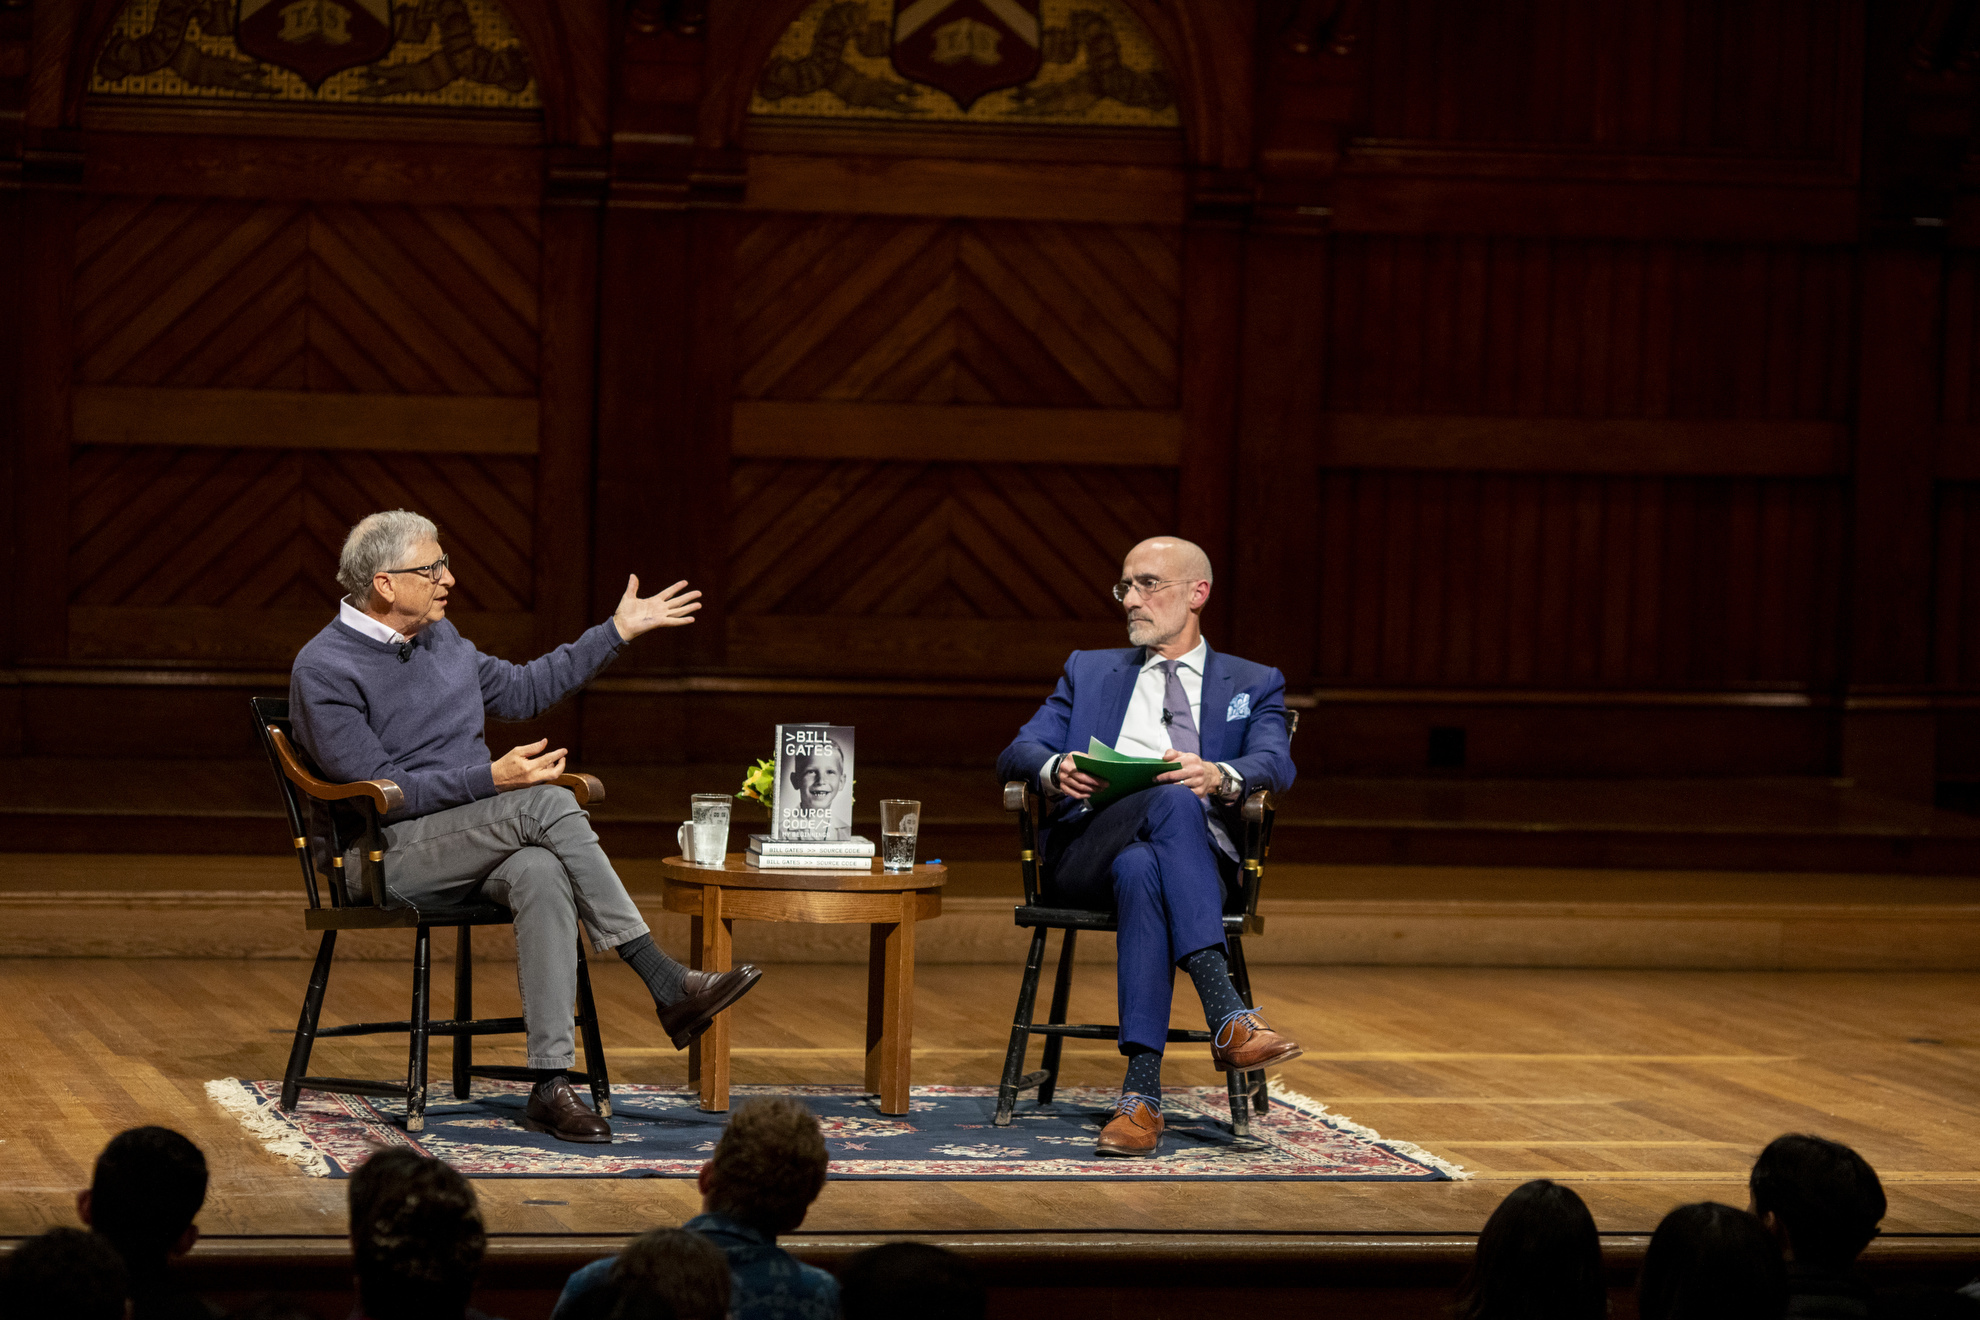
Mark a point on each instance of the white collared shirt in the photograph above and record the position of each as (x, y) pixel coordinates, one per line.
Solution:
(1142, 730)
(354, 617)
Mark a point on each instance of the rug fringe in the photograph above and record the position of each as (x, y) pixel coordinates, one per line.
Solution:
(1278, 1090)
(277, 1136)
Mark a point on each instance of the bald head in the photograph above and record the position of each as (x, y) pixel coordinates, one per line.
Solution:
(1164, 582)
(1179, 558)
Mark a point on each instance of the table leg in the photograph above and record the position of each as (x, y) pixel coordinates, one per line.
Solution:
(708, 1057)
(876, 998)
(890, 1009)
(694, 965)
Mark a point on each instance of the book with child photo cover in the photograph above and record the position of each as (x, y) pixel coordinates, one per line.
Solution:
(813, 800)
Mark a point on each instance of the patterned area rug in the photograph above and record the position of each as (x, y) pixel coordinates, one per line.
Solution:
(660, 1133)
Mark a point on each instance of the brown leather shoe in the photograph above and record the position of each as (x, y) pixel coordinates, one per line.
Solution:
(1135, 1132)
(555, 1108)
(708, 993)
(1244, 1042)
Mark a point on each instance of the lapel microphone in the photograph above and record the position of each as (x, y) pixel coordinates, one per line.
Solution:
(1168, 716)
(405, 652)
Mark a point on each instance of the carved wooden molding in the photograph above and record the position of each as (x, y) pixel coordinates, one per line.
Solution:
(933, 433)
(295, 419)
(1640, 445)
(1206, 47)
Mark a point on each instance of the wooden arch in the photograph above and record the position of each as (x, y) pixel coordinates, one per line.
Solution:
(1206, 45)
(540, 23)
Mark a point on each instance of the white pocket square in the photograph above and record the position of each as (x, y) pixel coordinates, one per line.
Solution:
(1240, 708)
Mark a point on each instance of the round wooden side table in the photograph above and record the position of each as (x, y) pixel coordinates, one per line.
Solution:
(889, 902)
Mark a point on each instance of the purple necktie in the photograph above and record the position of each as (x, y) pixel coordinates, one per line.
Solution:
(1175, 713)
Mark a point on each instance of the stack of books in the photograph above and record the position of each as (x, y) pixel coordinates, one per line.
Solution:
(853, 854)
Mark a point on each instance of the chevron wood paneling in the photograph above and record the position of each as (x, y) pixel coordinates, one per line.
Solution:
(938, 540)
(860, 308)
(367, 299)
(1475, 579)
(156, 526)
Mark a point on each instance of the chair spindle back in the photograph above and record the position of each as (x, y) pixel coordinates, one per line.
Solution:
(323, 830)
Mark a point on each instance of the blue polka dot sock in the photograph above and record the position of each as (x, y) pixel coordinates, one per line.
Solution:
(1144, 1072)
(1211, 975)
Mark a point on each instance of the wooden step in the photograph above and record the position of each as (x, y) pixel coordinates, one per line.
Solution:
(1789, 825)
(206, 905)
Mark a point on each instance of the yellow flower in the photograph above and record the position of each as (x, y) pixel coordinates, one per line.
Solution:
(758, 781)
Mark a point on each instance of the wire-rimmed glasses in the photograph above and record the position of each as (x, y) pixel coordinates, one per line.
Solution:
(1147, 584)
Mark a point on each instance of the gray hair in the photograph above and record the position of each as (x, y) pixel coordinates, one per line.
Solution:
(379, 542)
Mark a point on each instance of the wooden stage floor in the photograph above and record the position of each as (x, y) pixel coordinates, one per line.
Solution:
(1642, 1089)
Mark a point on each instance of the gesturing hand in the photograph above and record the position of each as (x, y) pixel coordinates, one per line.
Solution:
(1201, 777)
(669, 609)
(527, 765)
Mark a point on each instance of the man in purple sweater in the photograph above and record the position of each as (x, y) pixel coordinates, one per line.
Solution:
(390, 690)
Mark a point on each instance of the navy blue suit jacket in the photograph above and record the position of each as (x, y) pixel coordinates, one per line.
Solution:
(1242, 721)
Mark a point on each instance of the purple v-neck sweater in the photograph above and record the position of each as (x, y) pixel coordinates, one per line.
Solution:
(362, 713)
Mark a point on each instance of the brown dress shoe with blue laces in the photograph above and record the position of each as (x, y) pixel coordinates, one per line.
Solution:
(1135, 1131)
(1245, 1043)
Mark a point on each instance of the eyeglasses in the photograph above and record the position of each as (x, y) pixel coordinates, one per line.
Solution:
(431, 572)
(1147, 584)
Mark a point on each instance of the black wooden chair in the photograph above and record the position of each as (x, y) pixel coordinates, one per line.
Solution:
(1247, 1088)
(326, 820)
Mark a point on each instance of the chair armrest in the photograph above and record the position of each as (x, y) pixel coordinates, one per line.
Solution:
(1015, 793)
(587, 789)
(1256, 803)
(384, 794)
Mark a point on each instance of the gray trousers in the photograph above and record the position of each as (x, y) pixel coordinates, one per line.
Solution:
(532, 850)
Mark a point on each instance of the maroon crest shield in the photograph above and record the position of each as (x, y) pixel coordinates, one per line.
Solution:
(314, 38)
(966, 47)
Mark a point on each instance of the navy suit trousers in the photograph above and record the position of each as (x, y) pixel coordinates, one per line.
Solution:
(1147, 858)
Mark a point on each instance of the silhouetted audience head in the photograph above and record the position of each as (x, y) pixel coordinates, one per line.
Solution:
(667, 1274)
(910, 1281)
(416, 1237)
(148, 1185)
(1820, 1196)
(1711, 1262)
(1539, 1258)
(768, 1167)
(65, 1274)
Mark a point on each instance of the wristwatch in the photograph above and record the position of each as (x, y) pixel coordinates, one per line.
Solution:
(1227, 787)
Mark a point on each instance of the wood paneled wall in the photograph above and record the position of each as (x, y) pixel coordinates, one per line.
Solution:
(1753, 76)
(951, 336)
(958, 312)
(1488, 580)
(360, 299)
(191, 315)
(1498, 350)
(1543, 327)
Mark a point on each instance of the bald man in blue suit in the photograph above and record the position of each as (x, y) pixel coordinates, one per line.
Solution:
(1161, 859)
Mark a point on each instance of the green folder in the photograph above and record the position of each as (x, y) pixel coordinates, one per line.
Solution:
(1124, 774)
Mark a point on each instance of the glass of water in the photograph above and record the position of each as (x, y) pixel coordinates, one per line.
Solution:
(711, 829)
(900, 821)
